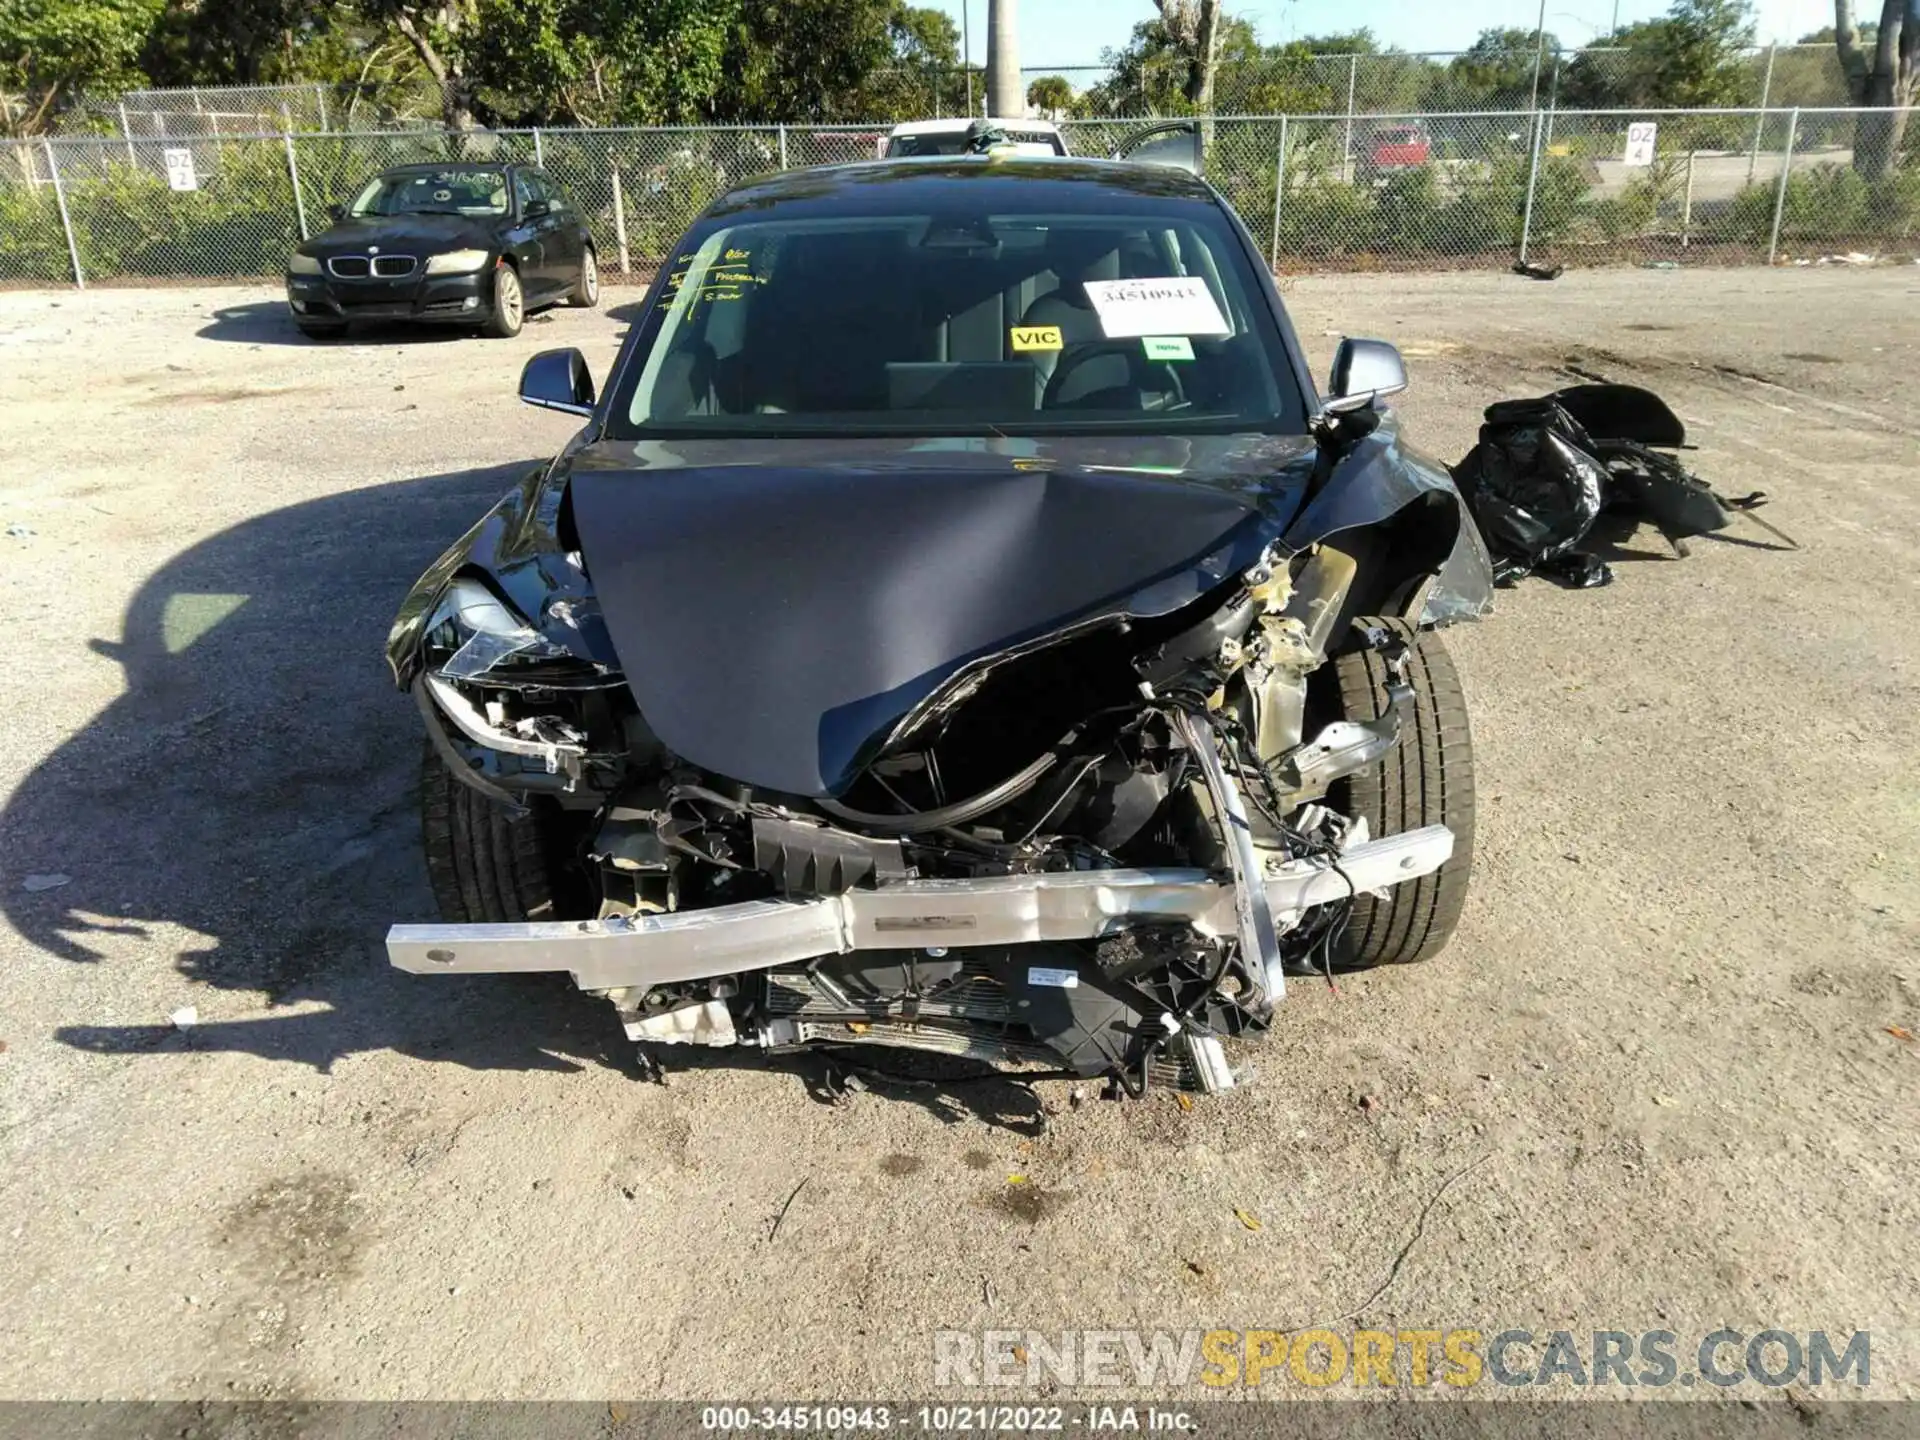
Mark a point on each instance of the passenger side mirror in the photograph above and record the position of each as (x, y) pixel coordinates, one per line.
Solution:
(537, 208)
(558, 380)
(336, 212)
(1364, 371)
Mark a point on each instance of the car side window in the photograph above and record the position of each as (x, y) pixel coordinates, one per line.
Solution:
(523, 194)
(545, 189)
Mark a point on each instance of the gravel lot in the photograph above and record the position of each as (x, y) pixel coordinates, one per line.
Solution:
(1661, 1039)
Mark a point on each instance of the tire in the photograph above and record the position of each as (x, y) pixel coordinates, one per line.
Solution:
(1427, 779)
(586, 290)
(487, 866)
(319, 332)
(507, 310)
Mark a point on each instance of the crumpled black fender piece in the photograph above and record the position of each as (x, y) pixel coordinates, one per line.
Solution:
(1533, 490)
(1622, 412)
(773, 621)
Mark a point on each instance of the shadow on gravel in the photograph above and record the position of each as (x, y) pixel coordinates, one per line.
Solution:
(255, 787)
(266, 322)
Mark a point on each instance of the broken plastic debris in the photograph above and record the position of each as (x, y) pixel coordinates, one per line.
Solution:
(19, 532)
(1663, 1100)
(1900, 1032)
(1249, 1220)
(46, 882)
(184, 1017)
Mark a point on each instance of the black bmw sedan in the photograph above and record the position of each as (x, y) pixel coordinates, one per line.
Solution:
(452, 243)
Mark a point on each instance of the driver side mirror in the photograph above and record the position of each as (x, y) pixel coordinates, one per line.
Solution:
(558, 380)
(536, 208)
(336, 212)
(1364, 371)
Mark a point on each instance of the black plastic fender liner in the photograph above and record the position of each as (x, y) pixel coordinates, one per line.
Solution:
(455, 762)
(1622, 412)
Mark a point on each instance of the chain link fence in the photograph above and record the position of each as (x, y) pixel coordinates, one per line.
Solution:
(1394, 83)
(1430, 190)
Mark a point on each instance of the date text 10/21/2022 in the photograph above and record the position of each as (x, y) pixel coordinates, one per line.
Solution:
(948, 1419)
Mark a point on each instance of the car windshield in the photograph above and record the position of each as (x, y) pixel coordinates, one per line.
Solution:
(434, 192)
(967, 323)
(954, 142)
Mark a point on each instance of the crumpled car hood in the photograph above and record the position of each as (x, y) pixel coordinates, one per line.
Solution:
(777, 608)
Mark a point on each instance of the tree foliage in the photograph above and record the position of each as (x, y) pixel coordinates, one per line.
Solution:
(1689, 58)
(1193, 29)
(1499, 66)
(595, 62)
(1050, 96)
(52, 51)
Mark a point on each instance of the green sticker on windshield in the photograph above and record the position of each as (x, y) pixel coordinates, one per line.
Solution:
(1167, 347)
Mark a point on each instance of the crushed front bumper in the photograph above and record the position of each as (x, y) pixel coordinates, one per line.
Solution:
(653, 950)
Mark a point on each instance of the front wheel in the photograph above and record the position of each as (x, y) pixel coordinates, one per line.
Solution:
(1427, 779)
(489, 865)
(509, 310)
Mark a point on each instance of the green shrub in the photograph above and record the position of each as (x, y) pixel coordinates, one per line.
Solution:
(1323, 217)
(32, 244)
(1824, 202)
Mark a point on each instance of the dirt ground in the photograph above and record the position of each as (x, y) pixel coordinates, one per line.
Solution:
(1659, 1048)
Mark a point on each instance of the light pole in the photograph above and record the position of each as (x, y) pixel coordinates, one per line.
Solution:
(966, 49)
(1539, 55)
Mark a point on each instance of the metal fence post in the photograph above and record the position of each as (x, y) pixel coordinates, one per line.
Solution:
(320, 103)
(1533, 178)
(1760, 124)
(783, 145)
(620, 222)
(1686, 208)
(539, 150)
(1780, 195)
(66, 221)
(293, 174)
(1346, 153)
(1279, 192)
(126, 129)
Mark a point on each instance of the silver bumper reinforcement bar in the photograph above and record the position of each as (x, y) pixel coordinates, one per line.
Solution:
(994, 910)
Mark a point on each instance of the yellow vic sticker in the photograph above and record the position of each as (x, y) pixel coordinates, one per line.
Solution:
(1037, 337)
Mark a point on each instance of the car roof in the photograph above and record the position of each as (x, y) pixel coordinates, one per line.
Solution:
(430, 166)
(970, 182)
(959, 126)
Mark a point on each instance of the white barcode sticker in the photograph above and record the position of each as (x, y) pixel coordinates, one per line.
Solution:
(1038, 975)
(1174, 305)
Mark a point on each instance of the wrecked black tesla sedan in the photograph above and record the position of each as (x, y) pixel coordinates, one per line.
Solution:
(960, 625)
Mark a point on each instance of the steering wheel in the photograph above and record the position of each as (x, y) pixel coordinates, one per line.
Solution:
(1131, 351)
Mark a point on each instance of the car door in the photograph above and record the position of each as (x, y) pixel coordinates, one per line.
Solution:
(1179, 143)
(569, 239)
(540, 266)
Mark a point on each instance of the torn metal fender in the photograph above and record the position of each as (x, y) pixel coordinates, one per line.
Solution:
(1382, 480)
(519, 549)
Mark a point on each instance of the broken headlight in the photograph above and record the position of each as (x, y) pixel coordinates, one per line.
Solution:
(482, 633)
